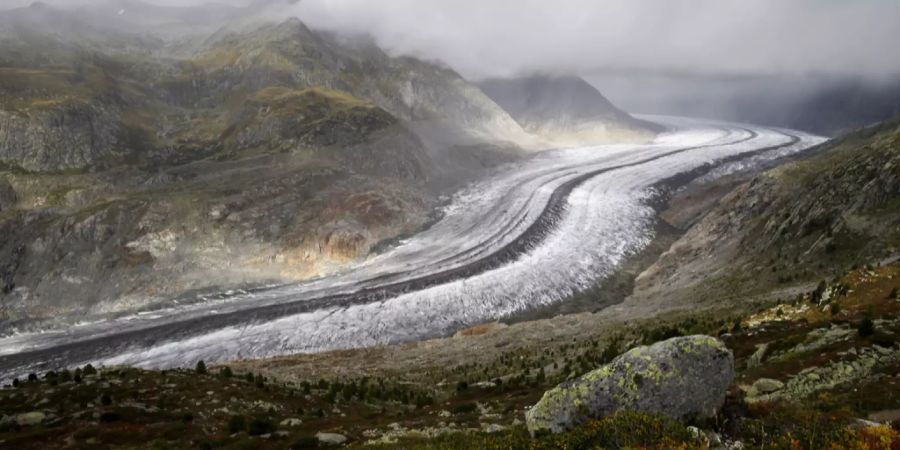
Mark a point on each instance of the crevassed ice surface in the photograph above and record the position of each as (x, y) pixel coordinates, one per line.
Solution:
(604, 220)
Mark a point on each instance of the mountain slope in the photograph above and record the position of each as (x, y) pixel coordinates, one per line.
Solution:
(789, 227)
(566, 110)
(130, 174)
(426, 95)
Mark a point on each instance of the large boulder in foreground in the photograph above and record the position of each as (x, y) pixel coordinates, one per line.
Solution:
(684, 377)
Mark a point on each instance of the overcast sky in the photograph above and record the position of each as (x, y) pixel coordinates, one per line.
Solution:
(699, 37)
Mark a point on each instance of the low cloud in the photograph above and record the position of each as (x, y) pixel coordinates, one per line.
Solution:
(721, 38)
(718, 37)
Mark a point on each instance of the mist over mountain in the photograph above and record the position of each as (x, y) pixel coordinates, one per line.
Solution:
(566, 110)
(821, 104)
(756, 61)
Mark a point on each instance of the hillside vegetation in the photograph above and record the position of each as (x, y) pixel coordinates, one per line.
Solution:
(791, 350)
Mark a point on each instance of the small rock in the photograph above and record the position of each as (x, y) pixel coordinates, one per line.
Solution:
(764, 386)
(715, 441)
(694, 431)
(866, 423)
(30, 418)
(291, 422)
(331, 438)
(698, 436)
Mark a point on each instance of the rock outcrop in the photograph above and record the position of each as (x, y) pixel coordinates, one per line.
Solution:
(66, 136)
(855, 367)
(684, 377)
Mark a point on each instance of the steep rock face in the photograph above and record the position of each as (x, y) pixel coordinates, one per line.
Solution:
(408, 88)
(820, 215)
(685, 377)
(330, 125)
(566, 110)
(74, 135)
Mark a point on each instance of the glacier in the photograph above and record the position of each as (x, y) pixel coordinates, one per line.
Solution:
(498, 249)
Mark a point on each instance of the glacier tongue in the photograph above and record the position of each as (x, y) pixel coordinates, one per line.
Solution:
(603, 217)
(606, 219)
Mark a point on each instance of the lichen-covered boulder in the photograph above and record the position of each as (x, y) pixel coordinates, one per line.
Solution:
(684, 377)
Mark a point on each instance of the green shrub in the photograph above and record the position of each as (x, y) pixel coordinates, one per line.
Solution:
(305, 442)
(612, 349)
(661, 333)
(622, 430)
(786, 426)
(893, 294)
(236, 424)
(866, 327)
(201, 368)
(110, 416)
(816, 295)
(835, 308)
(464, 408)
(89, 370)
(260, 426)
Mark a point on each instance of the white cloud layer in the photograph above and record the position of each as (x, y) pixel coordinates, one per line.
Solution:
(716, 37)
(719, 36)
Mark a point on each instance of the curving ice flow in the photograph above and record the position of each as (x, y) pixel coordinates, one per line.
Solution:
(531, 235)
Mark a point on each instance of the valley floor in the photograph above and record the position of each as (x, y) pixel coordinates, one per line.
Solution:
(815, 371)
(529, 237)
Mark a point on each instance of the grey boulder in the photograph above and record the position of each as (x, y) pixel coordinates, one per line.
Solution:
(683, 377)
